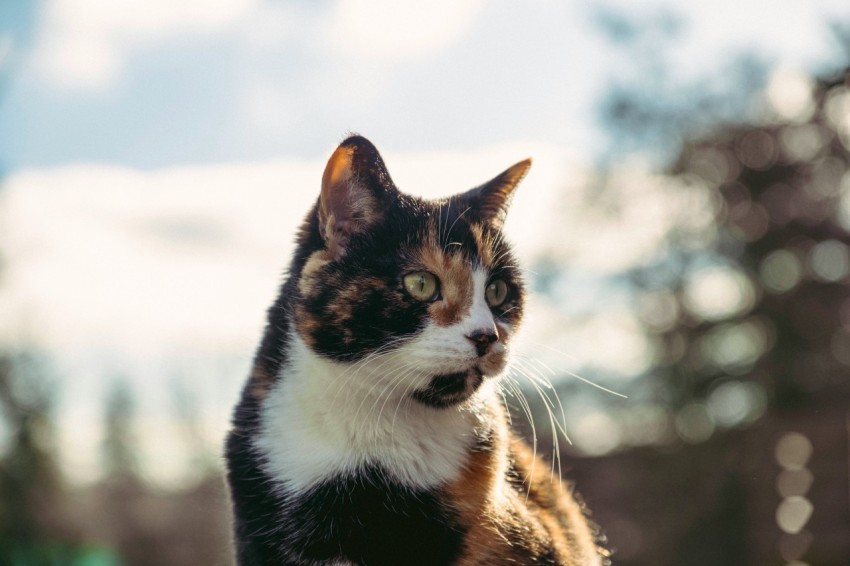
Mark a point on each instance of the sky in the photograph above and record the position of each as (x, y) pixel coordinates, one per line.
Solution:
(158, 155)
(159, 83)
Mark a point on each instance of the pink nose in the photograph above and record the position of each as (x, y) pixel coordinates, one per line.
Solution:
(482, 338)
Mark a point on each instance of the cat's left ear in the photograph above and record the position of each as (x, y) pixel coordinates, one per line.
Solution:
(490, 201)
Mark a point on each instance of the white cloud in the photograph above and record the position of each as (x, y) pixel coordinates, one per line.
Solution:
(82, 43)
(389, 30)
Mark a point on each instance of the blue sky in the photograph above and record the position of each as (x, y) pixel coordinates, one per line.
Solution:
(158, 156)
(152, 84)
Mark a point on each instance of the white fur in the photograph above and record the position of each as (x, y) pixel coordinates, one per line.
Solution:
(325, 418)
(480, 316)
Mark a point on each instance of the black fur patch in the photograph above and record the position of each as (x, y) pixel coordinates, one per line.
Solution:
(365, 519)
(448, 390)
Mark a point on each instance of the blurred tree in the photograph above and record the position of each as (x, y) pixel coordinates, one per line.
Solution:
(119, 450)
(31, 498)
(768, 300)
(152, 524)
(203, 460)
(749, 317)
(758, 295)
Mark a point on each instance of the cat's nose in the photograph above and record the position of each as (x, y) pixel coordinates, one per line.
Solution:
(482, 338)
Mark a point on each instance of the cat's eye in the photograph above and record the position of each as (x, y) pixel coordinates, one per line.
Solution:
(496, 293)
(422, 285)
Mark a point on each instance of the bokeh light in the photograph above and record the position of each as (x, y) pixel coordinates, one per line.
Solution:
(694, 423)
(734, 403)
(781, 271)
(718, 293)
(830, 261)
(793, 451)
(793, 513)
(789, 93)
(791, 482)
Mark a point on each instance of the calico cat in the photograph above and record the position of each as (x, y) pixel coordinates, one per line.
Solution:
(370, 431)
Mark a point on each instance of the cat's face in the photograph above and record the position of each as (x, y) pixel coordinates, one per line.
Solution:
(423, 292)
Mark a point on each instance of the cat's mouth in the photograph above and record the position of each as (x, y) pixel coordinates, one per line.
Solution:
(450, 389)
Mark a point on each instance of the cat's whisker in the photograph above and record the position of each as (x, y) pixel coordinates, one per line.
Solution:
(448, 205)
(554, 350)
(390, 390)
(520, 268)
(384, 351)
(449, 231)
(404, 399)
(506, 311)
(396, 375)
(343, 383)
(354, 369)
(577, 376)
(345, 386)
(537, 379)
(558, 399)
(517, 393)
(393, 378)
(520, 396)
(410, 384)
(547, 403)
(500, 389)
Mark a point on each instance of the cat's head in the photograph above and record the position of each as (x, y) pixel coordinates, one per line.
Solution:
(430, 289)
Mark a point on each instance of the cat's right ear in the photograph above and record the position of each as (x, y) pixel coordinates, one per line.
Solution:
(353, 184)
(490, 201)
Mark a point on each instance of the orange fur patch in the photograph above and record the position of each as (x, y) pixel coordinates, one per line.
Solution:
(485, 250)
(455, 276)
(306, 325)
(259, 382)
(508, 526)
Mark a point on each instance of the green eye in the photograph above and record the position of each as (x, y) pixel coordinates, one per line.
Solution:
(496, 293)
(422, 285)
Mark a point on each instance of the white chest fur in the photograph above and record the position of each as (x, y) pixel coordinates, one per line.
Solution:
(324, 419)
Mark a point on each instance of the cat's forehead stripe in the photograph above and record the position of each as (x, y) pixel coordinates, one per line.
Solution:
(455, 274)
(484, 245)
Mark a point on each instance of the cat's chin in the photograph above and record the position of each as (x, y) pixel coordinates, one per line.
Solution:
(451, 389)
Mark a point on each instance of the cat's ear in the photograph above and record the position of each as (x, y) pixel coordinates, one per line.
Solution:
(490, 202)
(354, 187)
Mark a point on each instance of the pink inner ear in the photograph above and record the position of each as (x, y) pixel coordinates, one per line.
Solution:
(345, 206)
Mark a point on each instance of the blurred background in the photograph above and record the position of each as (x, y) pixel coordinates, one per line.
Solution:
(685, 230)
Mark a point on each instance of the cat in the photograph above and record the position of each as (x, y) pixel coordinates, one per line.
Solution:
(370, 431)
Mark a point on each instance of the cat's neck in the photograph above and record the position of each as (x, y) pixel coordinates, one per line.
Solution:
(325, 419)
